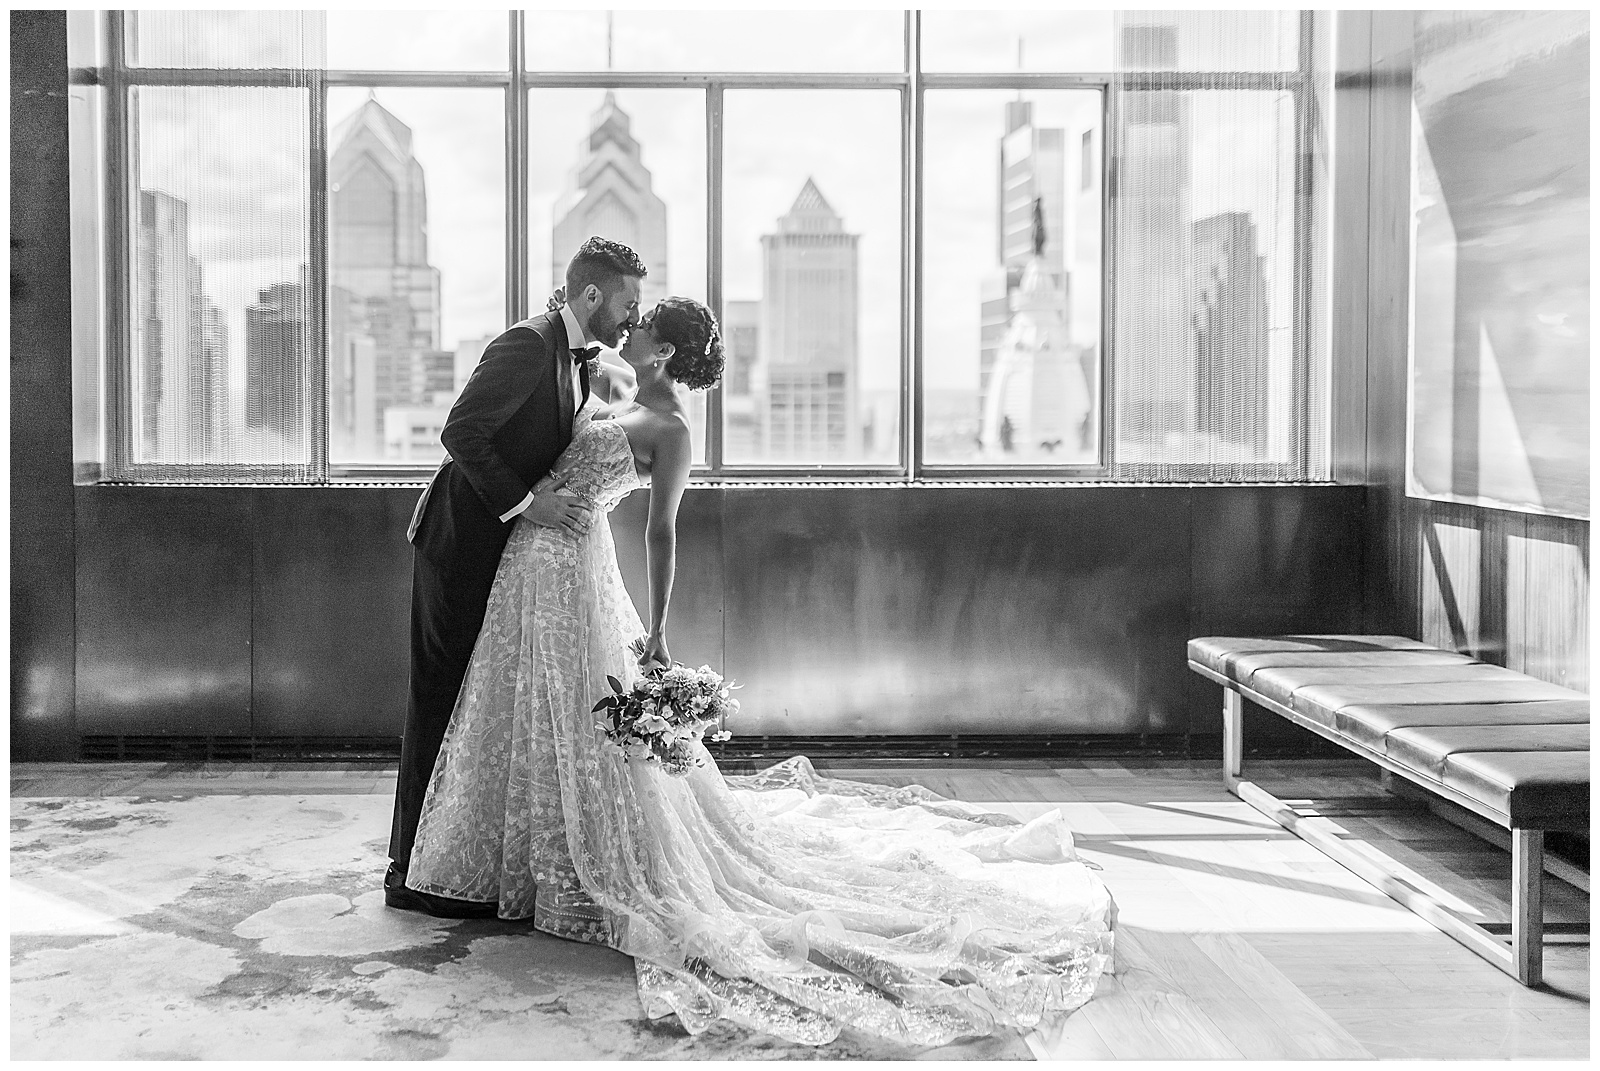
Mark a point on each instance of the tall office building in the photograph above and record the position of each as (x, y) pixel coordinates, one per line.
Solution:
(610, 195)
(180, 342)
(808, 342)
(275, 364)
(1230, 326)
(1154, 331)
(383, 295)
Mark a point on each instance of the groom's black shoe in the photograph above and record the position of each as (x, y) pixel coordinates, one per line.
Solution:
(395, 894)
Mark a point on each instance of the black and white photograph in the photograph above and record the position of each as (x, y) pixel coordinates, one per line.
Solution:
(795, 533)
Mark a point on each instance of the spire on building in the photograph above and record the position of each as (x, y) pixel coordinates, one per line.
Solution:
(380, 122)
(811, 213)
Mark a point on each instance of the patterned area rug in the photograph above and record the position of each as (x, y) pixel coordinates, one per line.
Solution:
(253, 927)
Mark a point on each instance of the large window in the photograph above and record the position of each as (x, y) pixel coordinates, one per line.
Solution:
(1012, 280)
(942, 245)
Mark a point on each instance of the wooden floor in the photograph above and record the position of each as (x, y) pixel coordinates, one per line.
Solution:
(1235, 939)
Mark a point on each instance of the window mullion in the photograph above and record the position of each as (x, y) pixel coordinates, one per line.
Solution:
(516, 218)
(118, 414)
(911, 401)
(714, 428)
(1110, 170)
(316, 394)
(1300, 432)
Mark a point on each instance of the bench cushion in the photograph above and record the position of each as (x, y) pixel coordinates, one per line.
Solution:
(1368, 725)
(1218, 653)
(1320, 702)
(1246, 665)
(1281, 682)
(1537, 789)
(1425, 748)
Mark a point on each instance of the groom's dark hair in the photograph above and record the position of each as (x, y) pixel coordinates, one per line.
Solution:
(602, 262)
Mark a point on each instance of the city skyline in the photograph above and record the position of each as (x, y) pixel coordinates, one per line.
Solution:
(382, 284)
(761, 157)
(466, 130)
(390, 383)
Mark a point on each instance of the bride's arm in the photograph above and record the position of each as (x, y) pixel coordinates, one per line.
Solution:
(610, 378)
(669, 473)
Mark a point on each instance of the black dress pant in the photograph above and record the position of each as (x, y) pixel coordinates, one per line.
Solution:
(447, 608)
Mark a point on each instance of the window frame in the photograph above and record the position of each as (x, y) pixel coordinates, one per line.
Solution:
(516, 81)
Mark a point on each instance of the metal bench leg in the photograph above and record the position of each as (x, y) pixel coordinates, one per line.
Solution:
(1527, 904)
(1232, 738)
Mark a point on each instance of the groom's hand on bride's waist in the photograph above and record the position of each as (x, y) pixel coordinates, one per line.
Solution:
(553, 509)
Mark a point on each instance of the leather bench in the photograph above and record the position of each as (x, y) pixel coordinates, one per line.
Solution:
(1509, 748)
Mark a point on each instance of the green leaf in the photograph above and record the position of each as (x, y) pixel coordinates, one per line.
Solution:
(616, 685)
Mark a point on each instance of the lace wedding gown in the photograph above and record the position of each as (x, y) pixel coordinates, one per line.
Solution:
(787, 902)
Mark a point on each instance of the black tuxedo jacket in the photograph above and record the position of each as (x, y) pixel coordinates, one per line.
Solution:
(503, 433)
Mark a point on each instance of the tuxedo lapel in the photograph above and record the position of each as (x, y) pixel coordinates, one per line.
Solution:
(550, 327)
(563, 373)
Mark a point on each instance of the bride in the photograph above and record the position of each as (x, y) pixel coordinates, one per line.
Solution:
(787, 902)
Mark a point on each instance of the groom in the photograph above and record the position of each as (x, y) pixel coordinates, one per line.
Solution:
(506, 429)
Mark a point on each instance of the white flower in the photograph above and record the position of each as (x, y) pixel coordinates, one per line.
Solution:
(720, 735)
(652, 723)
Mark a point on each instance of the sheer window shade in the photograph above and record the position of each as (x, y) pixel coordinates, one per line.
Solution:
(1218, 337)
(222, 315)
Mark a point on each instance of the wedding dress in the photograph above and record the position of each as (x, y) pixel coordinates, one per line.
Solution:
(787, 902)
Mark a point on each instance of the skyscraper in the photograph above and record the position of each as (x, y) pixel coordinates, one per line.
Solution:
(180, 342)
(808, 346)
(611, 196)
(275, 365)
(1230, 326)
(383, 294)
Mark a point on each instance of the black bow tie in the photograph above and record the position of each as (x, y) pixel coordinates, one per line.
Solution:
(580, 354)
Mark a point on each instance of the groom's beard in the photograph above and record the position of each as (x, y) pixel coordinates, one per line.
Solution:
(604, 330)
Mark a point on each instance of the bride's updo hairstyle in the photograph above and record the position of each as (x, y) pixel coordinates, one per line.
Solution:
(696, 359)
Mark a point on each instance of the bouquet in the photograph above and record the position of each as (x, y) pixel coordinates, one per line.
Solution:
(665, 713)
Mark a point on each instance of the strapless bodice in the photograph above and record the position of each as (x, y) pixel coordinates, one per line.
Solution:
(598, 464)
